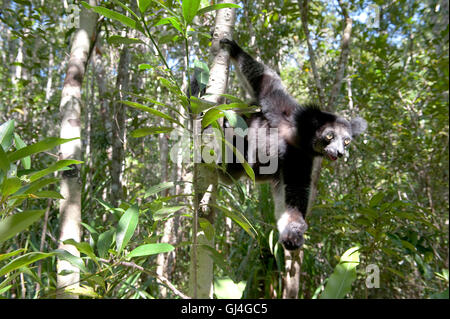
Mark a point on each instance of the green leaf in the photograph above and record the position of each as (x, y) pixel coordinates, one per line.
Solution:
(10, 186)
(395, 271)
(211, 116)
(6, 134)
(117, 39)
(26, 161)
(240, 219)
(12, 225)
(11, 254)
(126, 8)
(440, 295)
(207, 228)
(408, 245)
(104, 242)
(201, 72)
(150, 110)
(73, 260)
(38, 147)
(37, 185)
(82, 247)
(340, 282)
(115, 16)
(144, 131)
(150, 249)
(217, 7)
(22, 261)
(190, 8)
(172, 20)
(53, 168)
(158, 188)
(236, 121)
(126, 227)
(49, 194)
(225, 288)
(143, 5)
(166, 211)
(376, 199)
(242, 160)
(145, 66)
(4, 162)
(82, 291)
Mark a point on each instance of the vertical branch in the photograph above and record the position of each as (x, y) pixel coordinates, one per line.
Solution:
(343, 58)
(118, 127)
(312, 56)
(205, 179)
(70, 206)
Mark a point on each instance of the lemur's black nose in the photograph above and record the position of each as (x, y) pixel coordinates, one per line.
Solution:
(339, 154)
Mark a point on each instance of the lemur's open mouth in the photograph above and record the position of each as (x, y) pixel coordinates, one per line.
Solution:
(331, 157)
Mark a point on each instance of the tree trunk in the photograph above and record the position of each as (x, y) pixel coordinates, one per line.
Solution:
(168, 224)
(118, 128)
(70, 206)
(205, 179)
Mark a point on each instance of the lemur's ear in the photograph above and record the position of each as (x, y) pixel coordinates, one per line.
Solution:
(359, 125)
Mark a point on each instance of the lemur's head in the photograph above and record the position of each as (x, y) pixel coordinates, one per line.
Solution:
(332, 138)
(324, 133)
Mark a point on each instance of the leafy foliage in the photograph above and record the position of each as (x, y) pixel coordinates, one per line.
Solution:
(389, 197)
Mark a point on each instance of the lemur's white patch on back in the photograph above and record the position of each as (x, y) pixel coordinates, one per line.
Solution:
(280, 207)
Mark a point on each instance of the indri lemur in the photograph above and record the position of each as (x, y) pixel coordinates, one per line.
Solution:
(304, 131)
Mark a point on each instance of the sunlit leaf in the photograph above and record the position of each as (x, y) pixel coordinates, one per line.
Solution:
(150, 249)
(38, 147)
(126, 227)
(339, 283)
(22, 261)
(190, 8)
(26, 161)
(158, 188)
(6, 134)
(115, 16)
(144, 131)
(12, 225)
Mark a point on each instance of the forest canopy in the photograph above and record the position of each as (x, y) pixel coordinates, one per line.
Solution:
(100, 193)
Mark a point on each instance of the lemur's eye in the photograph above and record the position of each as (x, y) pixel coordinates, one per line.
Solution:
(329, 136)
(347, 141)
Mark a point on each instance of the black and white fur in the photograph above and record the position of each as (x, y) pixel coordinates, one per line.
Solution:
(304, 131)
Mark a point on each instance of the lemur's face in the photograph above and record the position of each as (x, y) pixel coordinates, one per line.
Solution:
(332, 139)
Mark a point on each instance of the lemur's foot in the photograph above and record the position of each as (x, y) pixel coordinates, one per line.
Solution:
(292, 235)
(231, 46)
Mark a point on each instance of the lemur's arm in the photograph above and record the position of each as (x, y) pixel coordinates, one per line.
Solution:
(276, 103)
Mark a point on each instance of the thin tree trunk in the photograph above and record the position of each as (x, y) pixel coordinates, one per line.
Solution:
(205, 179)
(118, 128)
(168, 224)
(70, 206)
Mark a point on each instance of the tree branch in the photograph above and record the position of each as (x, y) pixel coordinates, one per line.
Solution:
(162, 279)
(312, 56)
(343, 58)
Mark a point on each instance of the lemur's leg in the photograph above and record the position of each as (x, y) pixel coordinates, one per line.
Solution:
(265, 85)
(293, 188)
(260, 78)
